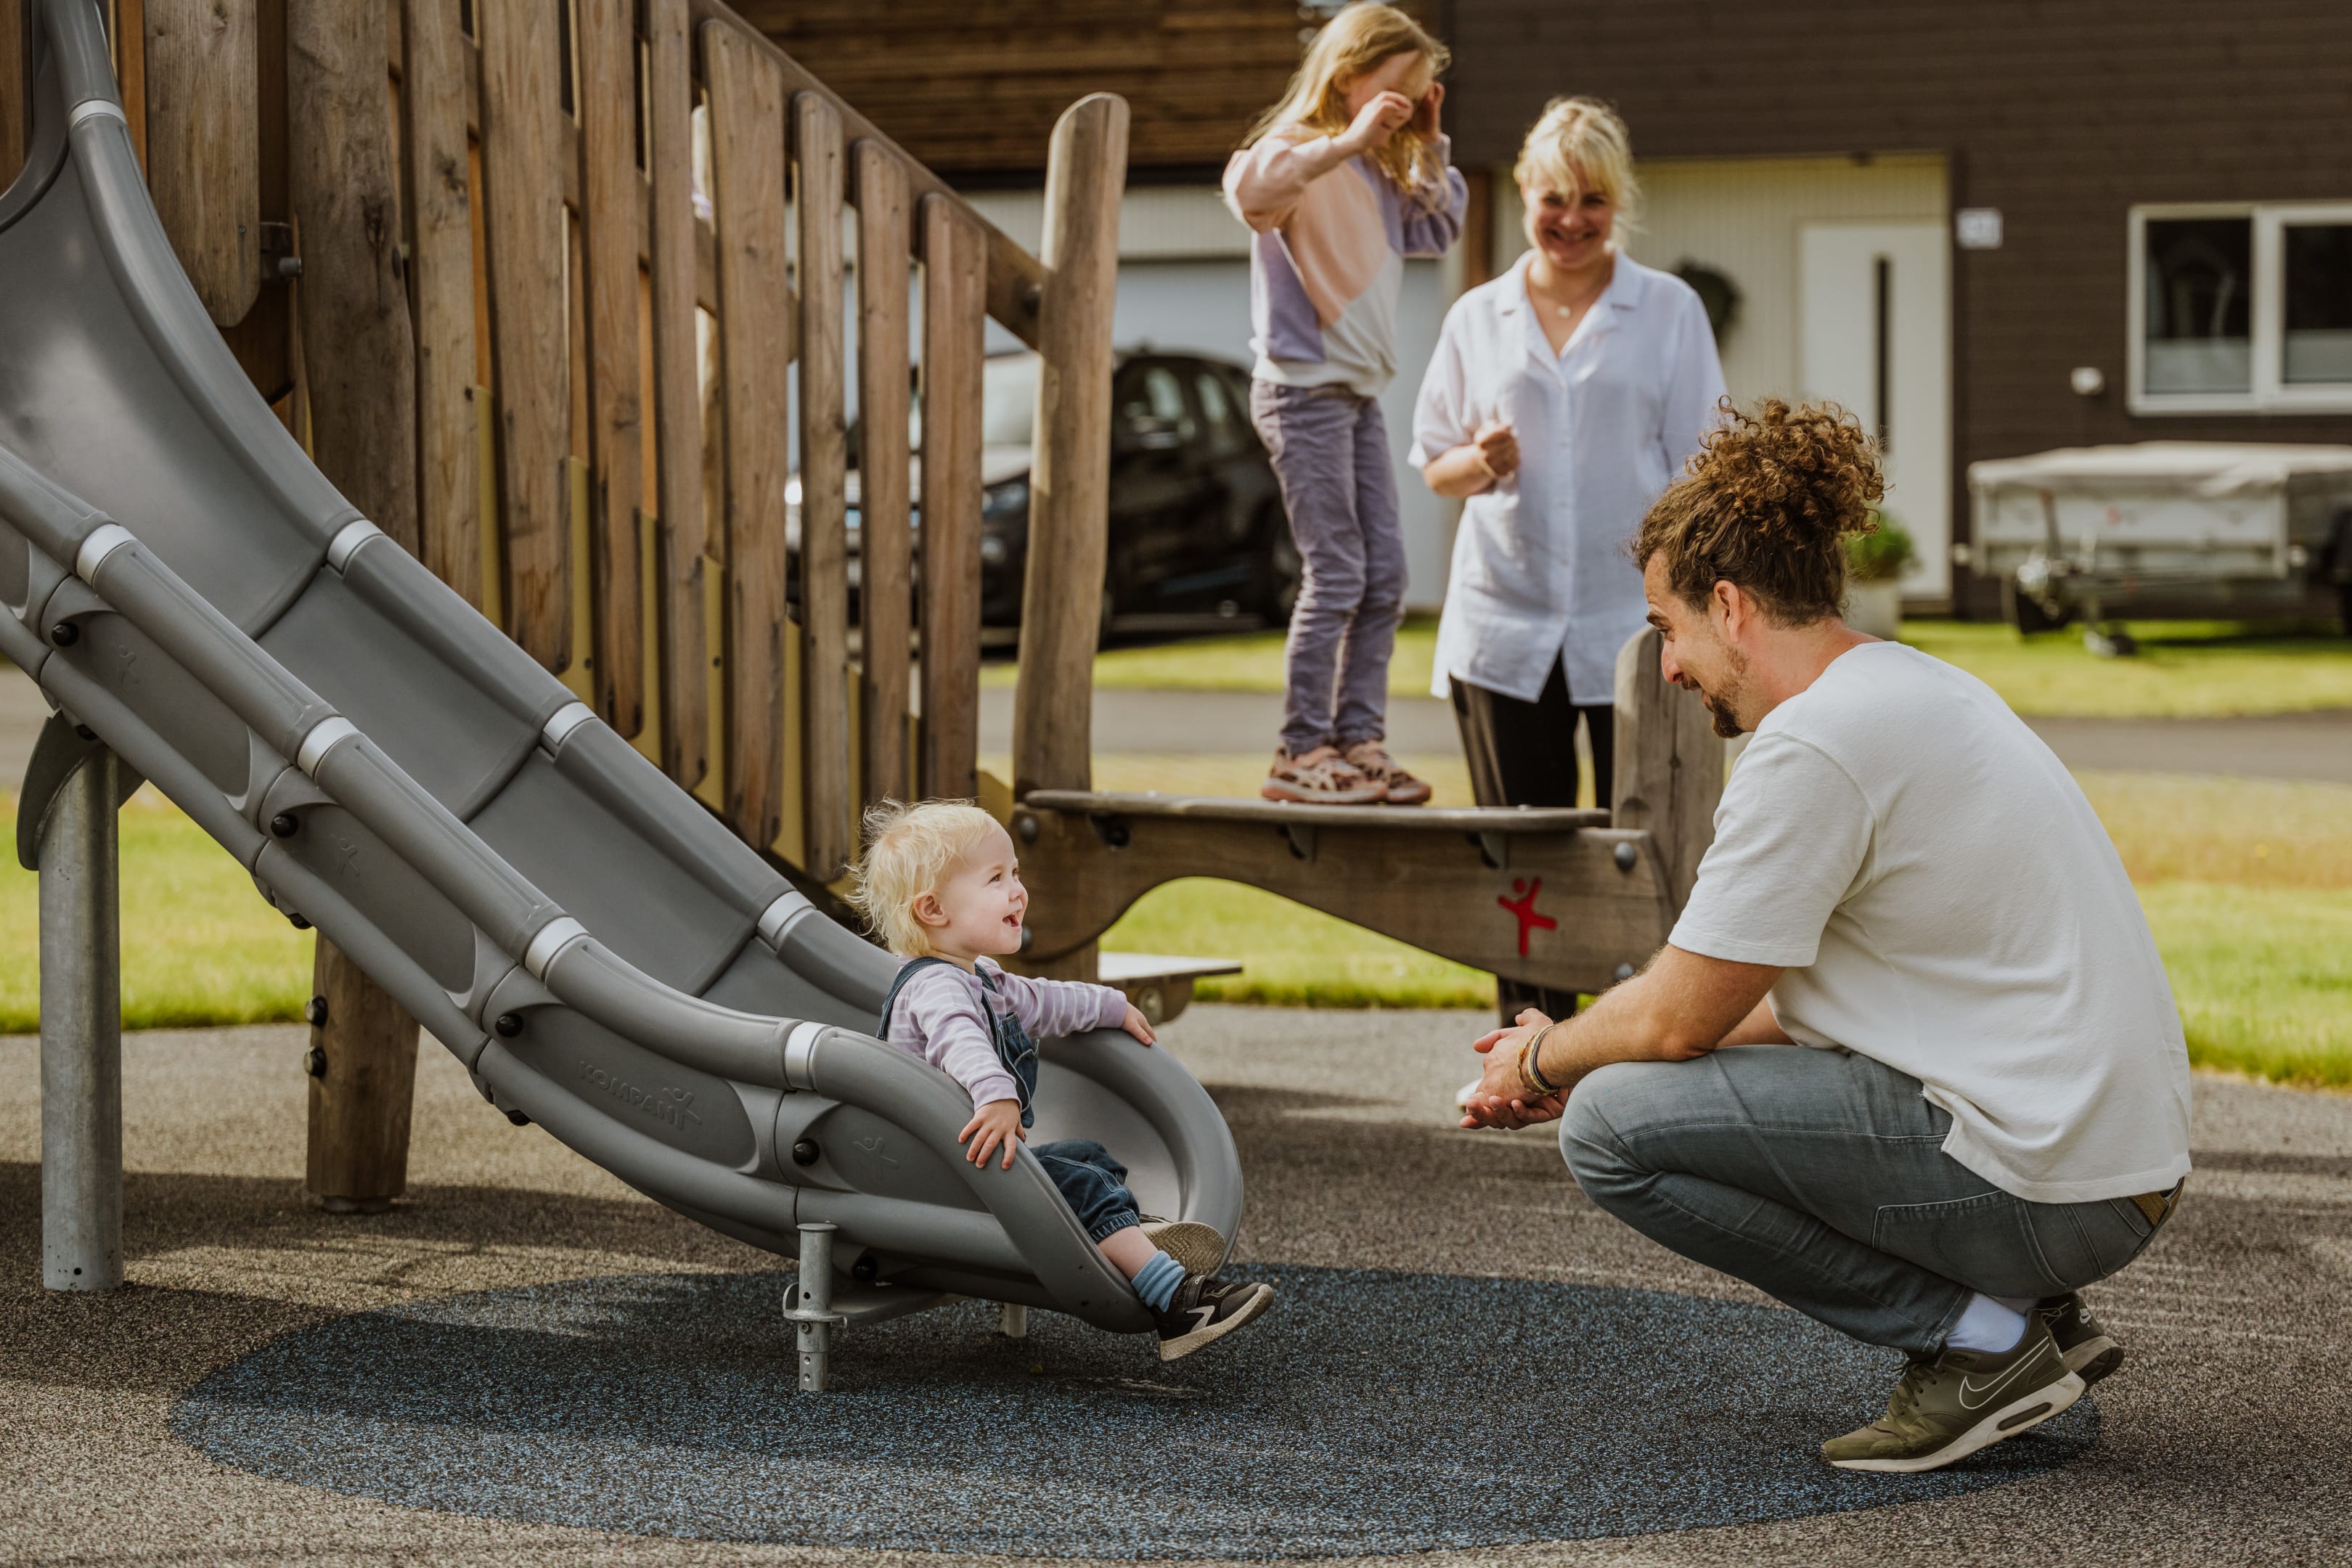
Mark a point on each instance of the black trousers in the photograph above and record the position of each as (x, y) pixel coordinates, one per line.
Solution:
(1524, 753)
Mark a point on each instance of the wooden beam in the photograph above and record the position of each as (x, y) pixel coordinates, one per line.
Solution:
(130, 40)
(755, 320)
(203, 142)
(1015, 277)
(263, 342)
(360, 383)
(679, 432)
(1670, 765)
(441, 272)
(522, 188)
(19, 106)
(609, 233)
(1069, 481)
(955, 272)
(829, 835)
(886, 587)
(1596, 896)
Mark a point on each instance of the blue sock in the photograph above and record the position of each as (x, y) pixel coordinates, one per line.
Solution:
(1157, 1281)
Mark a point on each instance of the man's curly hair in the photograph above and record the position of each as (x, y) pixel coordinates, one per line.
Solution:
(1768, 503)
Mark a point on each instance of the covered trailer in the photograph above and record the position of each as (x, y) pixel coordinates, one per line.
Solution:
(2166, 528)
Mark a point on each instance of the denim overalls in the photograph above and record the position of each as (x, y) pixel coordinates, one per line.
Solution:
(1092, 1182)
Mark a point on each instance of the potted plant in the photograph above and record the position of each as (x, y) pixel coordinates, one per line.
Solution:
(1874, 563)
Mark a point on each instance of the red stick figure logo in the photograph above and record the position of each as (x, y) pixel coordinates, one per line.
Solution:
(1523, 908)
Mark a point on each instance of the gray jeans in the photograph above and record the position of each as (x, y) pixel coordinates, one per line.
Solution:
(1331, 453)
(1819, 1177)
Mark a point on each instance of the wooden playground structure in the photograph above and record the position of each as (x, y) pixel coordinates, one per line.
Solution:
(555, 289)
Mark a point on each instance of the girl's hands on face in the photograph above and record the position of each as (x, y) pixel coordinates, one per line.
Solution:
(1425, 114)
(1379, 119)
(1135, 1023)
(998, 1122)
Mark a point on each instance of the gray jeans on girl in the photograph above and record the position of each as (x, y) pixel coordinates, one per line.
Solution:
(1819, 1178)
(1331, 453)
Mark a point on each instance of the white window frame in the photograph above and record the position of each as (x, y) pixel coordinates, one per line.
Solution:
(2266, 315)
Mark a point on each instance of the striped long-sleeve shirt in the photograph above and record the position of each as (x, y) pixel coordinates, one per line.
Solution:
(943, 1016)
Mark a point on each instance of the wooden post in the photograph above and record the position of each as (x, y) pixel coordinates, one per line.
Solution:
(1669, 763)
(1069, 481)
(682, 541)
(755, 328)
(19, 102)
(955, 284)
(824, 757)
(886, 589)
(203, 142)
(362, 378)
(263, 342)
(612, 197)
(440, 217)
(522, 190)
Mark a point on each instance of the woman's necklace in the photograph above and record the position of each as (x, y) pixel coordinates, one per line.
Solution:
(1568, 311)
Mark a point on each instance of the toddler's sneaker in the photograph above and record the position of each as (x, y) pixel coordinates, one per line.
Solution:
(1371, 759)
(1205, 1309)
(1319, 777)
(1196, 1248)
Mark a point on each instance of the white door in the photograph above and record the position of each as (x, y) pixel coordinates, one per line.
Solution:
(1874, 312)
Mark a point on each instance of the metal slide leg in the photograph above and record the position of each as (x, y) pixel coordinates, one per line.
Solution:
(1013, 1320)
(812, 1309)
(81, 1037)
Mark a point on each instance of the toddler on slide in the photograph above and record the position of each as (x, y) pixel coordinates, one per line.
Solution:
(941, 885)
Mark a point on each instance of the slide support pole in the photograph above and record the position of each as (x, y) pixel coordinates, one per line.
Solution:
(81, 1035)
(812, 1309)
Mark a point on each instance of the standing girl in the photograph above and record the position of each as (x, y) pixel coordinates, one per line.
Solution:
(1341, 181)
(1562, 398)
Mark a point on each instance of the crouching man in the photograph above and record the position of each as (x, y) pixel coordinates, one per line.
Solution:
(1908, 1061)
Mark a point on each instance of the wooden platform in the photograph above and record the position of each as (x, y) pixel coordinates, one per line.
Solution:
(1160, 984)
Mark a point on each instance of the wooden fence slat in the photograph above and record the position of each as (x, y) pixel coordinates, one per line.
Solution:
(441, 279)
(955, 282)
(204, 138)
(522, 192)
(885, 590)
(1670, 766)
(12, 83)
(825, 466)
(613, 193)
(130, 40)
(263, 342)
(678, 394)
(747, 134)
(1069, 484)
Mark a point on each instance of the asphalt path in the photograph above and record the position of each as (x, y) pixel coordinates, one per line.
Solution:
(2219, 1441)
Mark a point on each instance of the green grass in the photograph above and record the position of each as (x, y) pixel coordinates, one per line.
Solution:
(2247, 886)
(2184, 668)
(198, 944)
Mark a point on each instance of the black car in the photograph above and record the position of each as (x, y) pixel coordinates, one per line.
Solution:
(1198, 537)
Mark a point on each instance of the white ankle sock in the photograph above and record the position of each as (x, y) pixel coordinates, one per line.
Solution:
(1986, 1325)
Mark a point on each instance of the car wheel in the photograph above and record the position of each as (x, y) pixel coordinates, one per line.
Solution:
(1280, 574)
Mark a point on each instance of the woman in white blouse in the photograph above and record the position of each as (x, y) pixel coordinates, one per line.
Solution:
(1562, 396)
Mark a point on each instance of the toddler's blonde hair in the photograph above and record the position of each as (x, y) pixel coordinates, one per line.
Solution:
(1580, 142)
(1352, 45)
(909, 851)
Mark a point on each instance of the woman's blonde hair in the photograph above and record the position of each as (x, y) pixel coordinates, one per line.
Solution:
(1351, 45)
(909, 851)
(1577, 142)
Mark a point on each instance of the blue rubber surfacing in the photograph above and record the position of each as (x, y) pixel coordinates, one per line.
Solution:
(1369, 1413)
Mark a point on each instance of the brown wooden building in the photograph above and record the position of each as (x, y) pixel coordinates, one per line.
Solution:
(1953, 218)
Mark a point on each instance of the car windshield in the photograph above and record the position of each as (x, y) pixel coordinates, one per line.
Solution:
(1008, 399)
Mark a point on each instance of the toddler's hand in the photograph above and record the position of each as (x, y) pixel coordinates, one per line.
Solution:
(998, 1122)
(1135, 1023)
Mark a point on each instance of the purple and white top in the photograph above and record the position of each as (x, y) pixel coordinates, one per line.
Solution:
(943, 1016)
(1326, 262)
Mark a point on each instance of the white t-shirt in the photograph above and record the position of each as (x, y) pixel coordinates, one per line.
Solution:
(1944, 901)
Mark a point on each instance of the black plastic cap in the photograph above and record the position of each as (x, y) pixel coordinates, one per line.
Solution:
(806, 1151)
(508, 1025)
(285, 825)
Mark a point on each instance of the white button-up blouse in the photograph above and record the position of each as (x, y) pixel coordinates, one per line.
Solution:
(1540, 570)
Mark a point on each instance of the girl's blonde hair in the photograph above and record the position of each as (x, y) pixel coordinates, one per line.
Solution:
(1579, 142)
(1350, 46)
(909, 851)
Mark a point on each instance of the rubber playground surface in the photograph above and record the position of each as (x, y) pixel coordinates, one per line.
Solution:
(527, 1363)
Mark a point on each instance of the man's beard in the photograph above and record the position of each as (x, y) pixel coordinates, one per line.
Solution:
(1720, 705)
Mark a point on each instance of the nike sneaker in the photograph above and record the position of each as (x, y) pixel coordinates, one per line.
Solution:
(1196, 1247)
(2091, 1353)
(1205, 1310)
(1947, 1409)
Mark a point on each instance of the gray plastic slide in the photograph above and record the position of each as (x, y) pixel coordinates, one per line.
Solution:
(599, 951)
